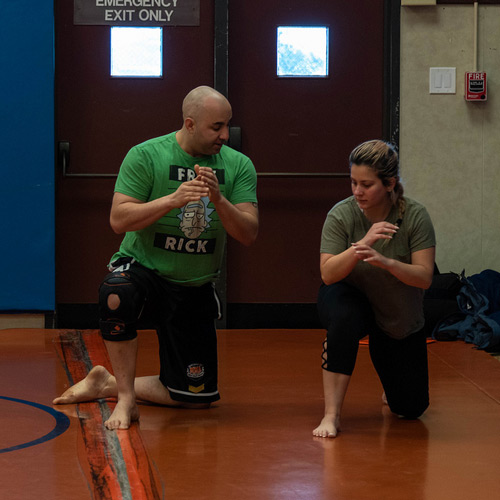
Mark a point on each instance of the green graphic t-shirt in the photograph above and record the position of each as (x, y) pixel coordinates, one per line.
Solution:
(186, 245)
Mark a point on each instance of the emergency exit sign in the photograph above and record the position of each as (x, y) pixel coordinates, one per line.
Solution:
(137, 12)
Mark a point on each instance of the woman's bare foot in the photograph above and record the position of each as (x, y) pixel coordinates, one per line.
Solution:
(124, 413)
(328, 428)
(97, 384)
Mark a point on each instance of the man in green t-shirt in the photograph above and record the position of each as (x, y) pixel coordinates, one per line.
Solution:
(175, 199)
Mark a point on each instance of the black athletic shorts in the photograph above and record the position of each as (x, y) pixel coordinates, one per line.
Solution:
(184, 319)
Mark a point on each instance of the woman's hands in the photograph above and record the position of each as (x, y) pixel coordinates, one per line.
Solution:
(378, 231)
(418, 273)
(363, 248)
(367, 254)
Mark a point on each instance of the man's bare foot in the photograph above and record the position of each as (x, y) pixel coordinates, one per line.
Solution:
(97, 384)
(328, 428)
(124, 413)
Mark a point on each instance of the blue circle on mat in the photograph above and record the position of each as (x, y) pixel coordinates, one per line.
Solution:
(62, 424)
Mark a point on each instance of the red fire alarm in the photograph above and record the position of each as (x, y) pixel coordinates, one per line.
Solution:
(475, 86)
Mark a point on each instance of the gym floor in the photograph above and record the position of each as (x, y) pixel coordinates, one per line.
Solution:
(256, 442)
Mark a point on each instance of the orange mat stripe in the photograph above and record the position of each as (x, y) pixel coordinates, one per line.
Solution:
(365, 341)
(115, 463)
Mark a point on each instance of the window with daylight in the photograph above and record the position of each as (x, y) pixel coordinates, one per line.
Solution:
(302, 51)
(136, 52)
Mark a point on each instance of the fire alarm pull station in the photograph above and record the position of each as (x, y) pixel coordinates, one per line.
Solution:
(475, 86)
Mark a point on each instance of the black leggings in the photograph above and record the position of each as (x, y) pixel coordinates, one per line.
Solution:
(401, 364)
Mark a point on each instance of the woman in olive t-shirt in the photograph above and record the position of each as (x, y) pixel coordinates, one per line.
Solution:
(377, 257)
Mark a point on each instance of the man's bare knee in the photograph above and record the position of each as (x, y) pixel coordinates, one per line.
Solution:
(113, 301)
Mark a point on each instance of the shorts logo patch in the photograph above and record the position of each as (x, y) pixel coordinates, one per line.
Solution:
(194, 389)
(118, 328)
(195, 371)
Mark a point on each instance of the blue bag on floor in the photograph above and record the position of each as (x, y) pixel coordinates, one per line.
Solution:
(478, 321)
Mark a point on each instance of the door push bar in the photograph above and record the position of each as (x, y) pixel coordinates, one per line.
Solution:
(63, 156)
(63, 159)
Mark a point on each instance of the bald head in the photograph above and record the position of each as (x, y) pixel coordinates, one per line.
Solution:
(197, 100)
(206, 115)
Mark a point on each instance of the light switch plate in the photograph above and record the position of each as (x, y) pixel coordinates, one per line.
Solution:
(443, 81)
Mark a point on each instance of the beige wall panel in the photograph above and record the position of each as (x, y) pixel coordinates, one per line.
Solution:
(447, 145)
(490, 57)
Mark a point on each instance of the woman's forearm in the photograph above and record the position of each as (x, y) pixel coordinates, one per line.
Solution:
(335, 268)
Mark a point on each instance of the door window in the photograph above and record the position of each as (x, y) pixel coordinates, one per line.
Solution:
(136, 52)
(302, 51)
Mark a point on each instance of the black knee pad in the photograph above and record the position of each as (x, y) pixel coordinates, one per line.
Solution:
(121, 323)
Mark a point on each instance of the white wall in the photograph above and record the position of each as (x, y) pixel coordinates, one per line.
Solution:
(450, 148)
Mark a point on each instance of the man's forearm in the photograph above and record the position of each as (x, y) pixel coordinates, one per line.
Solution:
(240, 221)
(136, 215)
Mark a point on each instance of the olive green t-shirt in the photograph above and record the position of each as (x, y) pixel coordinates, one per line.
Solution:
(398, 307)
(186, 245)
